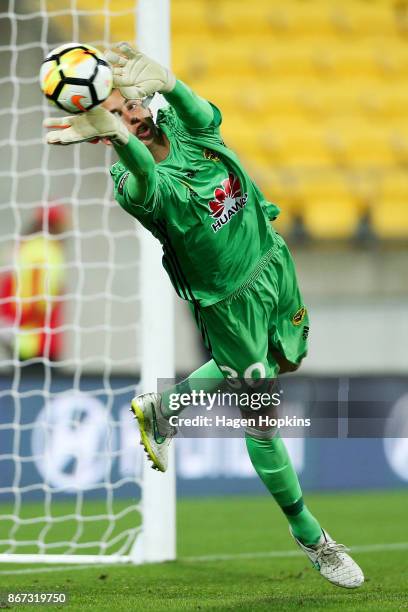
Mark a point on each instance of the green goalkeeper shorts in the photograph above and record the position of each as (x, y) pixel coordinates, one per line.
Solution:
(265, 315)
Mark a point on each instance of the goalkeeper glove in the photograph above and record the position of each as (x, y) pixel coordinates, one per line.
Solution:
(136, 75)
(87, 127)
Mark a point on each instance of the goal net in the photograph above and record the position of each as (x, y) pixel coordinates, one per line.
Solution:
(78, 327)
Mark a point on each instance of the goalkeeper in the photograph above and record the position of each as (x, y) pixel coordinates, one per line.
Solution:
(178, 178)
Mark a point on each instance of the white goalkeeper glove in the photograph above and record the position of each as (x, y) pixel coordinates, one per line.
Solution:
(91, 126)
(136, 75)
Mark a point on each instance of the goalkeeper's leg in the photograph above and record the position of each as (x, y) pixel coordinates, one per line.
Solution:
(264, 329)
(272, 463)
(152, 411)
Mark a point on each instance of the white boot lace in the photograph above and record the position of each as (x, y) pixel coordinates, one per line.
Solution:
(329, 553)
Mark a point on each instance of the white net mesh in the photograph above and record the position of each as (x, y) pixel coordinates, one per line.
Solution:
(69, 307)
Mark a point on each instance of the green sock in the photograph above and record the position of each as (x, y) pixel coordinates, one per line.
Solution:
(305, 527)
(273, 465)
(207, 378)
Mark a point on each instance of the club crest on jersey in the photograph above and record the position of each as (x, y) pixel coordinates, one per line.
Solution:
(208, 154)
(299, 316)
(228, 201)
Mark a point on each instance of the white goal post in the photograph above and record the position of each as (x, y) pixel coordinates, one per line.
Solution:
(157, 540)
(70, 463)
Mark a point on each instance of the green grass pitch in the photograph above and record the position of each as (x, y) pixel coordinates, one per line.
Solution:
(227, 549)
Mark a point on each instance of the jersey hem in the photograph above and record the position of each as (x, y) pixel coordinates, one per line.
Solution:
(259, 268)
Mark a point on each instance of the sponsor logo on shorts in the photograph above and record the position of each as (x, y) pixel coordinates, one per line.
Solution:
(122, 182)
(305, 333)
(228, 201)
(299, 316)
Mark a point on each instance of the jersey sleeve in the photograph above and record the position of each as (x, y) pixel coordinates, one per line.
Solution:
(211, 134)
(149, 211)
(270, 209)
(212, 129)
(194, 111)
(134, 177)
(124, 194)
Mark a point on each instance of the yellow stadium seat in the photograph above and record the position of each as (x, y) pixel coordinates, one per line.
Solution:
(365, 187)
(293, 18)
(288, 59)
(329, 207)
(391, 59)
(343, 59)
(389, 210)
(360, 145)
(391, 101)
(329, 99)
(389, 218)
(244, 60)
(375, 18)
(394, 185)
(313, 183)
(254, 18)
(398, 136)
(188, 18)
(332, 218)
(298, 143)
(92, 20)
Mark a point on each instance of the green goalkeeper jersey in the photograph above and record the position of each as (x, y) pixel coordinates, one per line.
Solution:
(211, 219)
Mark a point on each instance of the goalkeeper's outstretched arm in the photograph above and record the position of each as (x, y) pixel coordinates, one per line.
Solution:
(194, 111)
(138, 76)
(98, 124)
(141, 183)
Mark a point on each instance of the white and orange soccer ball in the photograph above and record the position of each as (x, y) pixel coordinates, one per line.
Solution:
(75, 77)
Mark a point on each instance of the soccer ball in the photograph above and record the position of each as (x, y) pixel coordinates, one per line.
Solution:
(75, 77)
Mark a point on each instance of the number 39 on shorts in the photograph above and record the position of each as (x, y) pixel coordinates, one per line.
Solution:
(254, 374)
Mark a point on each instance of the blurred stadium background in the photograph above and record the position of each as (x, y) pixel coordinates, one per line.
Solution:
(315, 100)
